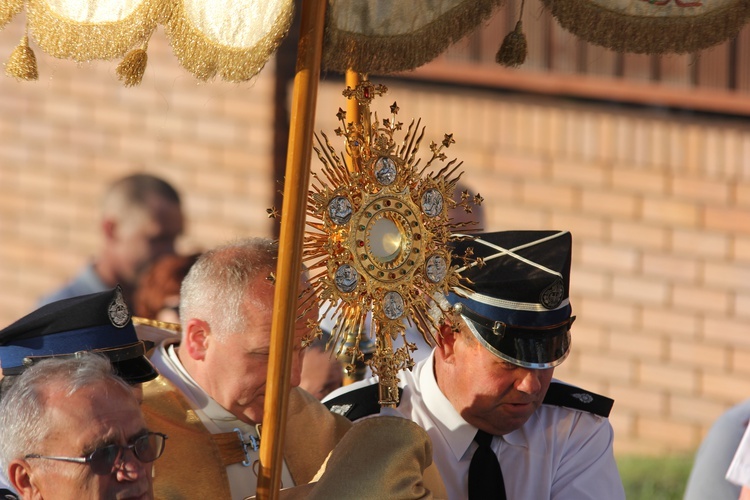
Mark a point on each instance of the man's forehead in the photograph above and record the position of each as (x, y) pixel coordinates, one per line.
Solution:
(94, 410)
(91, 395)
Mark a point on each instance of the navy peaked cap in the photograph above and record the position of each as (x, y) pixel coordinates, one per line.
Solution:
(516, 296)
(98, 322)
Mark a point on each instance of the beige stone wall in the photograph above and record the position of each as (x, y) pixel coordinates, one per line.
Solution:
(659, 207)
(658, 204)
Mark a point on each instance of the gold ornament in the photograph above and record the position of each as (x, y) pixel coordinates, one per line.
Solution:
(378, 238)
(131, 69)
(164, 325)
(22, 62)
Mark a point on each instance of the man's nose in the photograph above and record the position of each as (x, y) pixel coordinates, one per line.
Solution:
(130, 468)
(529, 382)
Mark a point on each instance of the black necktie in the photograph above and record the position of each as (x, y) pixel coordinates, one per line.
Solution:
(485, 476)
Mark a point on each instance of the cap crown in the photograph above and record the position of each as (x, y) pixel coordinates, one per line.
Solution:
(516, 294)
(97, 322)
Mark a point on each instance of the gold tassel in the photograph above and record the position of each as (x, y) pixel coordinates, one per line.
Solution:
(131, 68)
(22, 62)
(512, 52)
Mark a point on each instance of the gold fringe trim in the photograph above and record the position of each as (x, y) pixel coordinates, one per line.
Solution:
(172, 327)
(8, 9)
(131, 69)
(648, 35)
(388, 54)
(22, 62)
(204, 57)
(67, 39)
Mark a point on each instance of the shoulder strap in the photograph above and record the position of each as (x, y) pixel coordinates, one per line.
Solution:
(576, 398)
(364, 401)
(358, 403)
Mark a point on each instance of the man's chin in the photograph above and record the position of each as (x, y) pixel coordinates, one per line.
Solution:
(251, 416)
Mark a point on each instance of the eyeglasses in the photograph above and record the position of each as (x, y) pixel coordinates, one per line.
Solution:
(104, 460)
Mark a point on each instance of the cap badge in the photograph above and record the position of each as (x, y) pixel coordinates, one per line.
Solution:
(118, 310)
(552, 296)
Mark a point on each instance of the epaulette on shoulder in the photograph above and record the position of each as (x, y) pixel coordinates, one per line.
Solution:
(576, 398)
(358, 403)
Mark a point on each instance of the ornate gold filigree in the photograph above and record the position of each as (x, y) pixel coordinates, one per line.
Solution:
(379, 227)
(164, 325)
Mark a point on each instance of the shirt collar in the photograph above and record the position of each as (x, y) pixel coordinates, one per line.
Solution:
(458, 433)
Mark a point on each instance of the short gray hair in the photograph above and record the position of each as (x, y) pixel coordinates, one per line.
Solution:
(220, 283)
(24, 422)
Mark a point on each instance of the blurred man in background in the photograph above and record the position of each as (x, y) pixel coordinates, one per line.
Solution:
(707, 476)
(141, 219)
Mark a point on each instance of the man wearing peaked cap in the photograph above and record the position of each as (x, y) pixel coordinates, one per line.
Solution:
(98, 322)
(501, 427)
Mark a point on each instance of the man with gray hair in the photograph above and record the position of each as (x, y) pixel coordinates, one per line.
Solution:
(70, 429)
(210, 399)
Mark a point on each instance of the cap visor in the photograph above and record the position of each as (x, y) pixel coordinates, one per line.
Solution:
(135, 370)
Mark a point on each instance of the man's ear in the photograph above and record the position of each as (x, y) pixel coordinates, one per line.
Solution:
(446, 342)
(195, 338)
(109, 228)
(20, 476)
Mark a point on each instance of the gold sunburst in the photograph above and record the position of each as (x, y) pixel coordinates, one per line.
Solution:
(378, 233)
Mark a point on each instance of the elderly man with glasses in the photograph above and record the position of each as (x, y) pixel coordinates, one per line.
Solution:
(70, 428)
(98, 322)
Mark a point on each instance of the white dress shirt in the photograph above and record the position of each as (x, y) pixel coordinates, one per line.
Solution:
(242, 480)
(558, 454)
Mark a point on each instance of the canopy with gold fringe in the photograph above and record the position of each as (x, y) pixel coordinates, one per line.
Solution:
(231, 38)
(384, 36)
(652, 26)
(235, 38)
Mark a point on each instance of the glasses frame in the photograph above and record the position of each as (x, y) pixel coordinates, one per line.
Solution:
(89, 459)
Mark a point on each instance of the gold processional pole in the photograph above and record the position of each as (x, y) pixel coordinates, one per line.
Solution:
(352, 106)
(309, 53)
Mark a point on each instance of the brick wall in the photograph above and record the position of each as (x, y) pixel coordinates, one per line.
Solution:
(658, 204)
